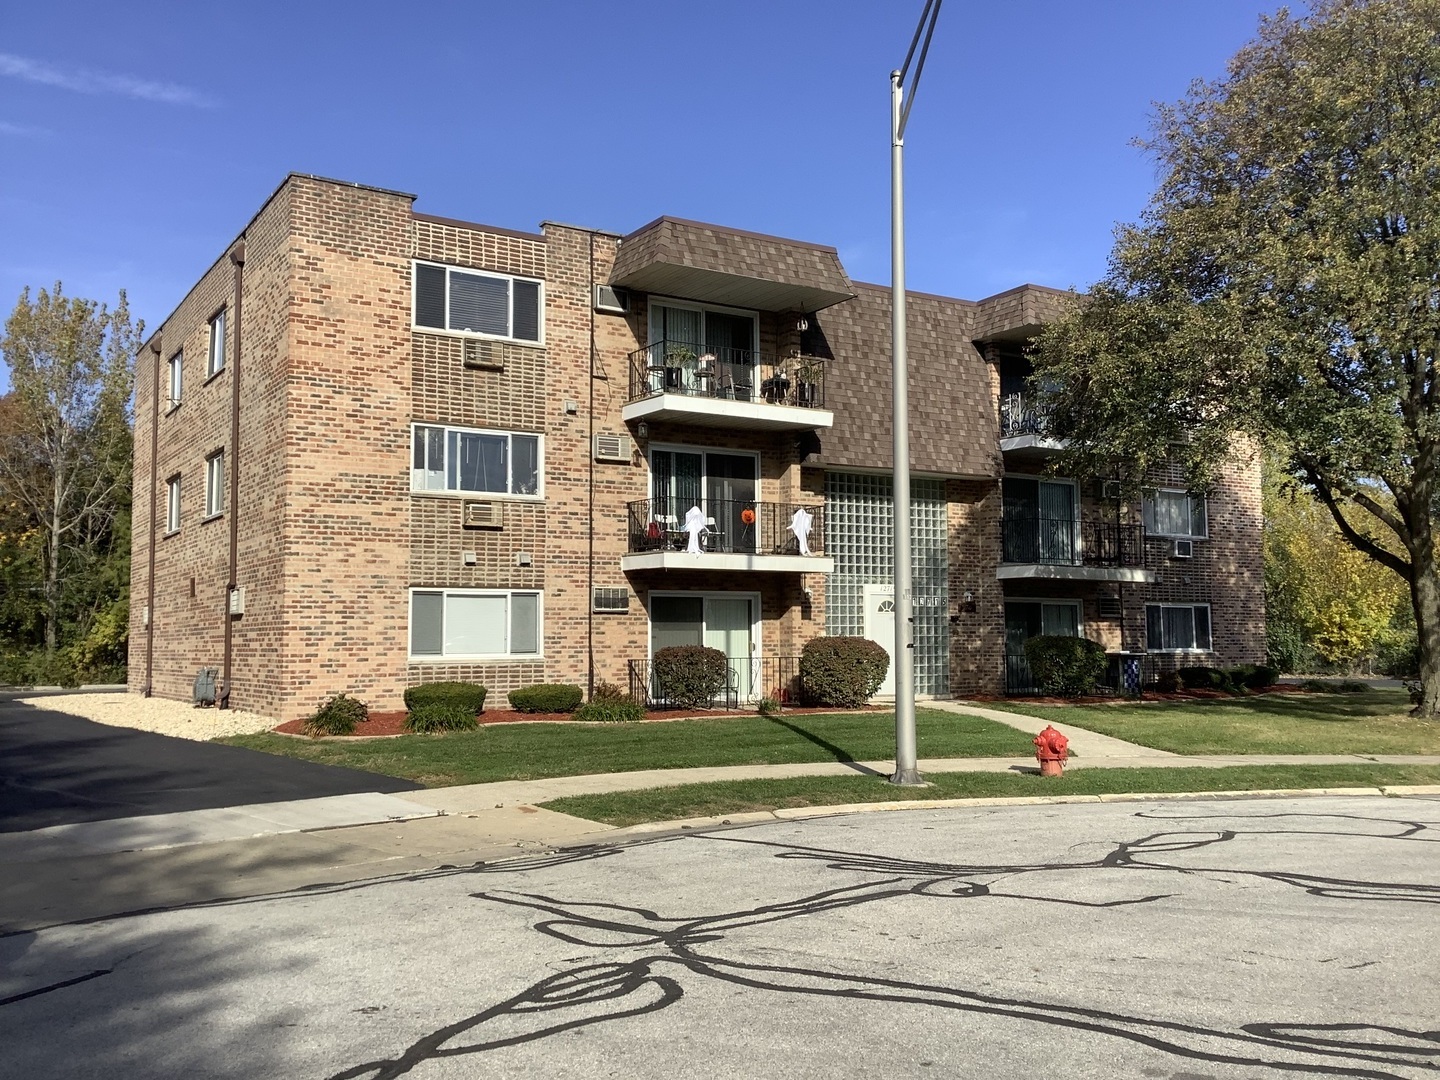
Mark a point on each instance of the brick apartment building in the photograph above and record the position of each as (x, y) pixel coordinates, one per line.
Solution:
(421, 448)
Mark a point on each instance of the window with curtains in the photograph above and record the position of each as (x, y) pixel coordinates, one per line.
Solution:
(728, 337)
(453, 300)
(1177, 627)
(474, 623)
(472, 461)
(1171, 512)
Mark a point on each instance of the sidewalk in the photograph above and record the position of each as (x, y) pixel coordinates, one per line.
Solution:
(96, 869)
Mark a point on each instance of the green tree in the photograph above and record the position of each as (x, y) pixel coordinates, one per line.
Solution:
(65, 457)
(1284, 285)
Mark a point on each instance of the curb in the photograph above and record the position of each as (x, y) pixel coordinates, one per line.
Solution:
(799, 813)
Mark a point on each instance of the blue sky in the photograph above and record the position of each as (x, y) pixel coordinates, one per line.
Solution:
(137, 140)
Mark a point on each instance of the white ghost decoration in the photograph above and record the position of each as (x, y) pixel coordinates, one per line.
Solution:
(800, 526)
(695, 525)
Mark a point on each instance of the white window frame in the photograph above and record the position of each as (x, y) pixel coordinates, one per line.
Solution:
(215, 485)
(1147, 513)
(176, 385)
(537, 496)
(1210, 617)
(510, 278)
(172, 505)
(443, 657)
(215, 353)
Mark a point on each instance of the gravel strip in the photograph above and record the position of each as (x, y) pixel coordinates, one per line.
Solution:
(165, 717)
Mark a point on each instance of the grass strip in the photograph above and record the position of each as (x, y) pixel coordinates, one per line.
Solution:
(742, 796)
(534, 751)
(1374, 722)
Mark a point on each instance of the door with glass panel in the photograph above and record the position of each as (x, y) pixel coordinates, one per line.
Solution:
(1040, 521)
(723, 622)
(686, 334)
(722, 485)
(1025, 619)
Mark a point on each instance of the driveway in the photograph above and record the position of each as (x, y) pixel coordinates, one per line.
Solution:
(1216, 938)
(57, 770)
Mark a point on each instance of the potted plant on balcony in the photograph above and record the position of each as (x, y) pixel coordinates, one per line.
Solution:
(677, 359)
(808, 372)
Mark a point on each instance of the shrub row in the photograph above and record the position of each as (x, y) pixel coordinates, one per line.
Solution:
(1232, 680)
(546, 698)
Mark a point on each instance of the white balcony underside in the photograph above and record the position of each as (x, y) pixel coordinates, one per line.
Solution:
(1031, 444)
(725, 413)
(1053, 572)
(713, 561)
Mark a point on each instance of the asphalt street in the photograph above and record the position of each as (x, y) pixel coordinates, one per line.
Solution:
(1167, 939)
(57, 769)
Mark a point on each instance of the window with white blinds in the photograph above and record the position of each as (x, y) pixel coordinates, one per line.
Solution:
(454, 300)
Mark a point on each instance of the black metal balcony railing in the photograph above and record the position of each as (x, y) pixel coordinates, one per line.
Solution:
(750, 679)
(1063, 541)
(680, 367)
(732, 526)
(1019, 415)
(1020, 680)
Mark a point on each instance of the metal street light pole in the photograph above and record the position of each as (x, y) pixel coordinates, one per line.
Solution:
(906, 767)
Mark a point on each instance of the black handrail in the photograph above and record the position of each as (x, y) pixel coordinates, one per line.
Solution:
(1020, 415)
(750, 680)
(1063, 541)
(732, 526)
(696, 370)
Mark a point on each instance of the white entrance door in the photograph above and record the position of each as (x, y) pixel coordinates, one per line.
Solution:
(880, 628)
(727, 628)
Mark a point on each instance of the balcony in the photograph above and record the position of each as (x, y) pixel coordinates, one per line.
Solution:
(733, 535)
(1035, 546)
(1024, 427)
(684, 382)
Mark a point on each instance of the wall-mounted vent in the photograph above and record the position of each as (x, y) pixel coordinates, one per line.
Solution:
(613, 448)
(1110, 489)
(484, 355)
(237, 600)
(610, 301)
(611, 601)
(1108, 607)
(1184, 549)
(484, 515)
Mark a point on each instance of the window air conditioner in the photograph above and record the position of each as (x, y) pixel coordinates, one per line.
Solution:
(1184, 549)
(610, 301)
(484, 355)
(1110, 489)
(613, 448)
(611, 601)
(484, 515)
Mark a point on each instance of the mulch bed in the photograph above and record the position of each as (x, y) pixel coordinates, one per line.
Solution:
(393, 723)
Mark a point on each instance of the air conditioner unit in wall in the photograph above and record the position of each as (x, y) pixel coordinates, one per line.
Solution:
(1108, 607)
(484, 355)
(484, 515)
(615, 448)
(1184, 549)
(610, 301)
(610, 601)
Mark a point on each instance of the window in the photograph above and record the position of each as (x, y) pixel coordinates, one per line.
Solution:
(176, 371)
(216, 363)
(172, 504)
(473, 302)
(1177, 627)
(474, 623)
(1171, 512)
(469, 461)
(215, 484)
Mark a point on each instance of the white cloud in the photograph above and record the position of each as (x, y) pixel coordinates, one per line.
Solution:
(23, 130)
(85, 81)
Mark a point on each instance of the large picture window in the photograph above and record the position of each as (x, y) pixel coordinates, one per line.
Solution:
(474, 461)
(474, 623)
(1177, 627)
(472, 302)
(1175, 513)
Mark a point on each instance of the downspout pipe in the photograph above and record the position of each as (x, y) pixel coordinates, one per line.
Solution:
(155, 352)
(237, 258)
(589, 453)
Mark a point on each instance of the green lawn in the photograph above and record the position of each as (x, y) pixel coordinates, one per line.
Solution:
(736, 797)
(532, 751)
(1374, 722)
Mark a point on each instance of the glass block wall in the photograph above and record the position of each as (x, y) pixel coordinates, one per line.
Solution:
(860, 535)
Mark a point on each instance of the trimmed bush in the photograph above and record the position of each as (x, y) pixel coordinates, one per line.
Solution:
(843, 672)
(611, 711)
(1201, 677)
(690, 676)
(546, 698)
(1167, 682)
(1065, 666)
(460, 694)
(338, 716)
(445, 716)
(1251, 676)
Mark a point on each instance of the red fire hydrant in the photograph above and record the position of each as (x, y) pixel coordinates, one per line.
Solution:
(1052, 749)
